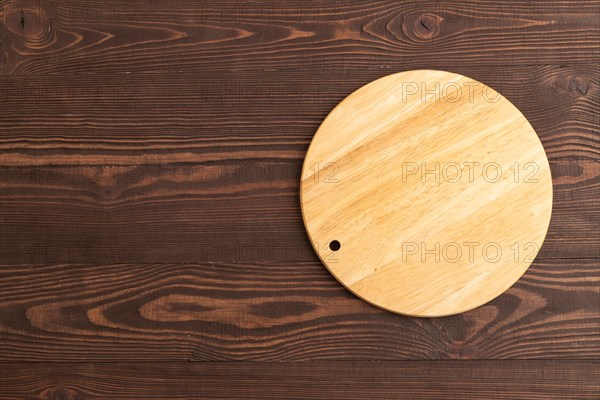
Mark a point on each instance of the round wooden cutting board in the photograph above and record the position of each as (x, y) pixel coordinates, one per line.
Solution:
(426, 193)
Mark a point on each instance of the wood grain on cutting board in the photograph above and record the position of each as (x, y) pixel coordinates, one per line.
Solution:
(436, 187)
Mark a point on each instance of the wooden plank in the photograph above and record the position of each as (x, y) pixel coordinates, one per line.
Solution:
(134, 226)
(191, 117)
(279, 312)
(330, 380)
(230, 211)
(173, 35)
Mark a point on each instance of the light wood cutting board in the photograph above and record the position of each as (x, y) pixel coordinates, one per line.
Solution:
(426, 193)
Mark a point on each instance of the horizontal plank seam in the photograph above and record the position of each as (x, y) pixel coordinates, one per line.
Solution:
(450, 67)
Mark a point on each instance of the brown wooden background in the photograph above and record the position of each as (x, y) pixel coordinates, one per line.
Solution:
(152, 244)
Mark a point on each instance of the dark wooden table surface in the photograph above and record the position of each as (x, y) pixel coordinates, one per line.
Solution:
(152, 244)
